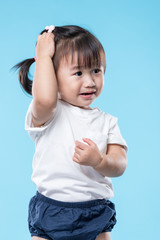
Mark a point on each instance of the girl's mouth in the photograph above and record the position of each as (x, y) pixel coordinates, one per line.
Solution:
(87, 95)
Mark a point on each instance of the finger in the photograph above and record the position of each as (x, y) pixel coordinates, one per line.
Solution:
(40, 36)
(80, 145)
(43, 35)
(47, 34)
(76, 155)
(50, 35)
(89, 141)
(75, 159)
(78, 150)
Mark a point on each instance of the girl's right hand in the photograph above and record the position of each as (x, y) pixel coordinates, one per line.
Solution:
(45, 45)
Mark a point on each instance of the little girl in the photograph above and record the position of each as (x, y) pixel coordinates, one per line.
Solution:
(77, 148)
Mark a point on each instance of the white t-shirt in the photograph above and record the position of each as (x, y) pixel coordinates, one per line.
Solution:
(55, 174)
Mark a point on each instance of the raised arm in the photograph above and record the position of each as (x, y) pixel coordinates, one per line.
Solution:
(44, 89)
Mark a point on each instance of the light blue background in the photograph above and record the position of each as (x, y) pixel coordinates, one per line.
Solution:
(129, 32)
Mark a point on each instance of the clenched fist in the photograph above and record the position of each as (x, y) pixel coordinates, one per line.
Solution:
(88, 155)
(45, 45)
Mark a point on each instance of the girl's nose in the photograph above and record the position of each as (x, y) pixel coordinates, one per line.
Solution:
(89, 81)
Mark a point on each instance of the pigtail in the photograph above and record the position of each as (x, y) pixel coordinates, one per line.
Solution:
(23, 74)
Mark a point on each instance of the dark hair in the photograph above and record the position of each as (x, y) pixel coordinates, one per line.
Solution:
(68, 40)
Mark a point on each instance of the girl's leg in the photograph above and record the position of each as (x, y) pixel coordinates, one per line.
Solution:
(104, 236)
(38, 238)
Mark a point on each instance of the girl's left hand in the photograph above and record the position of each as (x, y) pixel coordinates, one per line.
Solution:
(88, 155)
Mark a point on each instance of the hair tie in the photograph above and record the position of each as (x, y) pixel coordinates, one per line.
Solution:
(35, 58)
(50, 28)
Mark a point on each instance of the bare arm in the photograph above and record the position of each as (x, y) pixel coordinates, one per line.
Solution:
(114, 162)
(110, 164)
(44, 88)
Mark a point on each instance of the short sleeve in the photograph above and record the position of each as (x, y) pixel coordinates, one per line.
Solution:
(34, 132)
(114, 134)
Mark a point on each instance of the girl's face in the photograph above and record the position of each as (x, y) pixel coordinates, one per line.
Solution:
(77, 85)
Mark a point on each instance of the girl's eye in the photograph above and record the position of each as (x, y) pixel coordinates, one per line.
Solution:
(96, 70)
(78, 73)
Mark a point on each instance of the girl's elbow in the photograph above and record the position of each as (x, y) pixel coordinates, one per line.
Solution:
(123, 166)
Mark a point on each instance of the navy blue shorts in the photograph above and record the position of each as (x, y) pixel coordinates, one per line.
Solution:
(56, 220)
